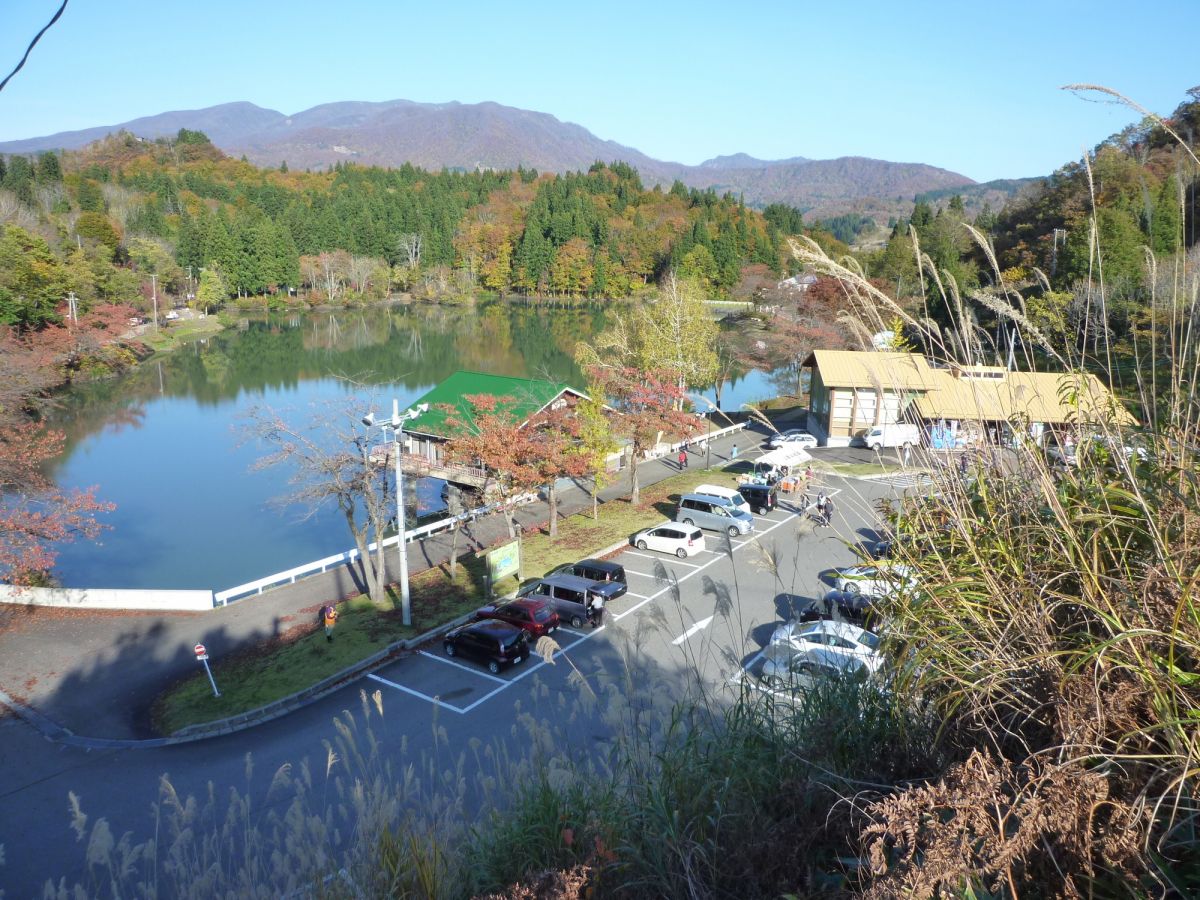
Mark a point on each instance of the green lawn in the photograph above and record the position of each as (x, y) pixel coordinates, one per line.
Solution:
(303, 657)
(168, 337)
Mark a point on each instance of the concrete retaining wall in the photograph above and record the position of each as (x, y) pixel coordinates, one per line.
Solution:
(106, 598)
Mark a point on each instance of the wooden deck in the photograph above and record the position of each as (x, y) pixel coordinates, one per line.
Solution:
(475, 477)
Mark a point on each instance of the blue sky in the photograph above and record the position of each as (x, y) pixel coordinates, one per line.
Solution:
(970, 87)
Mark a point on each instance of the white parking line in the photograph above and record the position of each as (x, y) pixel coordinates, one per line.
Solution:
(632, 594)
(696, 568)
(459, 665)
(664, 558)
(434, 700)
(699, 626)
(632, 572)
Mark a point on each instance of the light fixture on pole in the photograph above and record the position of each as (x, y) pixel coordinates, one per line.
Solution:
(396, 424)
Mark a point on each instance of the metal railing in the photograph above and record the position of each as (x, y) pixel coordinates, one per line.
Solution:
(251, 588)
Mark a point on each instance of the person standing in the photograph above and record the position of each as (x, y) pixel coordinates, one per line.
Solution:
(733, 452)
(596, 611)
(828, 511)
(683, 458)
(329, 617)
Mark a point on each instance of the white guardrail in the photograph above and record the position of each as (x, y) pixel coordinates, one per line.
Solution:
(250, 588)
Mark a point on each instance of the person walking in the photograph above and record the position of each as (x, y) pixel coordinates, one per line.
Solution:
(329, 617)
(828, 511)
(683, 458)
(733, 452)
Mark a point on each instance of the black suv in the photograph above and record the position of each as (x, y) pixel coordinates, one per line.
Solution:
(762, 497)
(597, 570)
(494, 643)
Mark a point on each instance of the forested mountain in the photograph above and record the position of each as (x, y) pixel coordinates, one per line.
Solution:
(1061, 236)
(491, 136)
(101, 220)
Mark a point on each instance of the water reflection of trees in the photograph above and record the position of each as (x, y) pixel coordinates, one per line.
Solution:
(413, 347)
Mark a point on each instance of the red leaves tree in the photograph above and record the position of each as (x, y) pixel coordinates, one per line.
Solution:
(35, 514)
(645, 404)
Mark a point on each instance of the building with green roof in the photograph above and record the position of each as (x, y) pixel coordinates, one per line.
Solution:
(425, 437)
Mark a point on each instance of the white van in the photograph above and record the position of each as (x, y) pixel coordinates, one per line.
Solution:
(896, 435)
(727, 496)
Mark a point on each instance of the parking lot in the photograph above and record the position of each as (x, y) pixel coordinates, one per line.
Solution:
(462, 687)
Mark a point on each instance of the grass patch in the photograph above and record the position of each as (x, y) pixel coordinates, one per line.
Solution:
(301, 657)
(181, 332)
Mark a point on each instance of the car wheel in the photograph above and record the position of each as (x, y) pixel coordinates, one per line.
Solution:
(641, 545)
(576, 621)
(876, 447)
(450, 651)
(734, 531)
(852, 587)
(681, 553)
(493, 667)
(688, 522)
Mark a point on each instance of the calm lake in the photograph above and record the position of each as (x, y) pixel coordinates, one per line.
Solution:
(167, 443)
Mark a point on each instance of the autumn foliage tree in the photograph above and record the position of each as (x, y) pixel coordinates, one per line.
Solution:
(36, 514)
(646, 406)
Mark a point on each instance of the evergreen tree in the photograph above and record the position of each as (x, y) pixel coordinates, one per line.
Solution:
(1166, 224)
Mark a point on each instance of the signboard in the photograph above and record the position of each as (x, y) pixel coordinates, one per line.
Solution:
(505, 560)
(201, 653)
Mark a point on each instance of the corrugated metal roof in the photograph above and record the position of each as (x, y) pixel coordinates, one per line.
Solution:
(1038, 396)
(875, 369)
(528, 397)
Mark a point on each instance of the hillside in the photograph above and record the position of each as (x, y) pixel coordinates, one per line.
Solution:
(478, 136)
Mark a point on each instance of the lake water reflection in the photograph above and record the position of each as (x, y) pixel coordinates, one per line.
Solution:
(167, 444)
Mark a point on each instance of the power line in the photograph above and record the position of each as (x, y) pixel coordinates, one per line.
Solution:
(37, 37)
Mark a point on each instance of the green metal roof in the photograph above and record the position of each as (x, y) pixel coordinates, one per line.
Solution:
(528, 396)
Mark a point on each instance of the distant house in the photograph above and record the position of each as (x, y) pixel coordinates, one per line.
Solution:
(853, 391)
(800, 283)
(425, 437)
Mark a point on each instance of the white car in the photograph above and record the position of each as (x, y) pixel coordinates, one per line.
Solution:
(824, 647)
(795, 437)
(875, 580)
(671, 537)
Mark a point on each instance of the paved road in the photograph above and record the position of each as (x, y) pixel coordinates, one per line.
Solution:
(684, 624)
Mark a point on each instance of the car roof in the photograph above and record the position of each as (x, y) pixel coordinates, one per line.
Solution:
(600, 564)
(829, 626)
(489, 626)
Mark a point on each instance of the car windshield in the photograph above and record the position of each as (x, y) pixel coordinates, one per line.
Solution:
(868, 640)
(541, 614)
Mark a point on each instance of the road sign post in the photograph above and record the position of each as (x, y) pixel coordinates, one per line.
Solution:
(202, 656)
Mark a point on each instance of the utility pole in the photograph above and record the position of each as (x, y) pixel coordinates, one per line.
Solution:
(154, 297)
(72, 308)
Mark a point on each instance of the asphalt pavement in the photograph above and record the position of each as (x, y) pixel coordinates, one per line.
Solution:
(96, 674)
(684, 625)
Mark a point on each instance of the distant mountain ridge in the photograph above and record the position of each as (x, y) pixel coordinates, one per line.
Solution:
(490, 135)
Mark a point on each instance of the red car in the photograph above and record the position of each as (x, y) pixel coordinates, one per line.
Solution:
(535, 616)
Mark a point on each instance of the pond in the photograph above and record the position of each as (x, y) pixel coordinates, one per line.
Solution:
(167, 443)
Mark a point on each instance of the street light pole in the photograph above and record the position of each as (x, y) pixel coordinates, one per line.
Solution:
(154, 297)
(397, 426)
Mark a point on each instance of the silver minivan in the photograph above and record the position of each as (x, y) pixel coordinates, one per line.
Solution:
(712, 513)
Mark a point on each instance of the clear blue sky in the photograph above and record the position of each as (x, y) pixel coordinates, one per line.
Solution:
(967, 86)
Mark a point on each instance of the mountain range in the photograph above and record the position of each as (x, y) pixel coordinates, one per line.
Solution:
(489, 135)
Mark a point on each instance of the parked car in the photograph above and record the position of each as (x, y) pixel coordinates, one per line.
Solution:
(900, 434)
(797, 437)
(824, 647)
(570, 595)
(724, 495)
(537, 617)
(495, 644)
(877, 580)
(601, 570)
(762, 497)
(709, 512)
(682, 540)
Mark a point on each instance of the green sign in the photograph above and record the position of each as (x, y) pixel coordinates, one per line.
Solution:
(504, 561)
